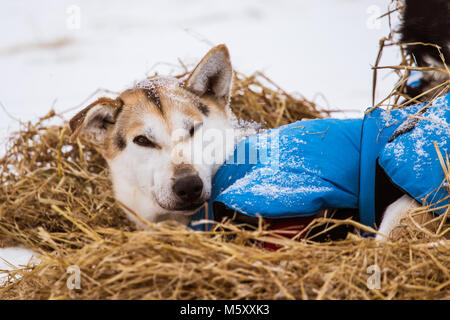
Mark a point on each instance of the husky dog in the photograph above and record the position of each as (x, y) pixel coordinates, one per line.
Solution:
(150, 135)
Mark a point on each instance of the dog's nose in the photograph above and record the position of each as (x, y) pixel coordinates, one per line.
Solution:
(188, 188)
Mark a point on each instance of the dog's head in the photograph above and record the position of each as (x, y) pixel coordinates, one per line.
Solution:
(165, 138)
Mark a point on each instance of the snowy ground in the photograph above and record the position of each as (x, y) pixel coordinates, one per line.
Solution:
(315, 48)
(14, 257)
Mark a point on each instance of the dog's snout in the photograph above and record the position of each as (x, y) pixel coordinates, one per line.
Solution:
(188, 188)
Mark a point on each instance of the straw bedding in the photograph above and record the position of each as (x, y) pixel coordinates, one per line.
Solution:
(56, 198)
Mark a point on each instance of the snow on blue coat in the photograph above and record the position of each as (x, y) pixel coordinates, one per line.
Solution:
(299, 169)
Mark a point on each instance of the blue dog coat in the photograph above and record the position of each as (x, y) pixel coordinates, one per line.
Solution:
(299, 169)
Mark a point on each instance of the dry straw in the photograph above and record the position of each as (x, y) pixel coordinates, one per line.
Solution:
(55, 197)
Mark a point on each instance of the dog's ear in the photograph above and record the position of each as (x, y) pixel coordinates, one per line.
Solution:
(212, 76)
(96, 119)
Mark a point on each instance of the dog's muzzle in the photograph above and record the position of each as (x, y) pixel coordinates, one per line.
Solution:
(188, 190)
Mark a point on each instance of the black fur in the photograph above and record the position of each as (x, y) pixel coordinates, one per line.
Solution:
(386, 193)
(120, 141)
(426, 21)
(153, 96)
(203, 108)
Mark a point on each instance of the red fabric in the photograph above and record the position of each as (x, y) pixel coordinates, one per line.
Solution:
(290, 226)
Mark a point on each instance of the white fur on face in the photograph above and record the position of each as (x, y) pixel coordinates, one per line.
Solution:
(143, 177)
(164, 110)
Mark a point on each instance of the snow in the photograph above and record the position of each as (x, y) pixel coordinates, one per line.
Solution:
(274, 187)
(311, 47)
(315, 48)
(163, 81)
(399, 151)
(14, 257)
(432, 126)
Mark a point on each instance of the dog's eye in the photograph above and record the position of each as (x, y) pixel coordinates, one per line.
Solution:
(195, 128)
(144, 142)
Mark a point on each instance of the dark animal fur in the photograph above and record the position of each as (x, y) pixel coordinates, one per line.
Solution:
(426, 21)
